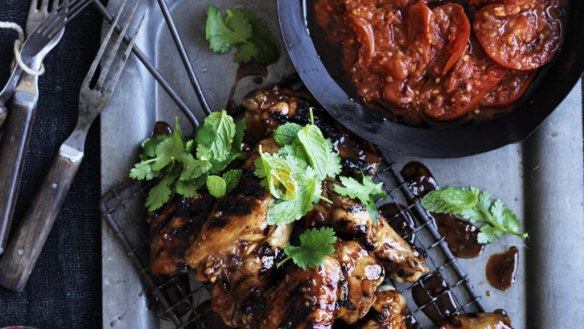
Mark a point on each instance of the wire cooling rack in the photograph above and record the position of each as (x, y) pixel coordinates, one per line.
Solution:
(185, 302)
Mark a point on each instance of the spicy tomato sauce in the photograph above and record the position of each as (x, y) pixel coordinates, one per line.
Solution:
(441, 60)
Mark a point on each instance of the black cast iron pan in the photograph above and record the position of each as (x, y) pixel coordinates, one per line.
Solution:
(555, 82)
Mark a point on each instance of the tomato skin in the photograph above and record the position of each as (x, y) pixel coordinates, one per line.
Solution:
(454, 27)
(518, 36)
(462, 89)
(509, 90)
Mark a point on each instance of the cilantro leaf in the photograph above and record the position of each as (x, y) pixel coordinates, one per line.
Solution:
(315, 245)
(215, 138)
(160, 193)
(216, 186)
(319, 150)
(143, 171)
(288, 211)
(225, 33)
(286, 134)
(243, 30)
(231, 178)
(365, 191)
(476, 206)
(451, 200)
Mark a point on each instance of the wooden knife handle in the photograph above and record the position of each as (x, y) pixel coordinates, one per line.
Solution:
(12, 155)
(3, 113)
(31, 234)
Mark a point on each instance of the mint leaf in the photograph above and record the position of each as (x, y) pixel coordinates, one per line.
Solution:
(286, 134)
(451, 200)
(216, 186)
(215, 137)
(232, 178)
(319, 151)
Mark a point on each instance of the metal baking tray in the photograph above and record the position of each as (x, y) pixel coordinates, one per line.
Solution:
(541, 179)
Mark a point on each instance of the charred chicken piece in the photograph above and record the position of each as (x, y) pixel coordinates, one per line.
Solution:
(305, 298)
(236, 226)
(388, 312)
(351, 220)
(269, 108)
(172, 229)
(495, 320)
(362, 275)
(240, 298)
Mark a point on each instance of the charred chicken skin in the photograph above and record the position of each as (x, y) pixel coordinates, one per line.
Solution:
(495, 320)
(388, 312)
(305, 298)
(350, 219)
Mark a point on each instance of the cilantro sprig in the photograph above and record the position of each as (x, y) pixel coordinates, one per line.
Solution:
(241, 29)
(476, 206)
(294, 174)
(315, 244)
(366, 191)
(184, 166)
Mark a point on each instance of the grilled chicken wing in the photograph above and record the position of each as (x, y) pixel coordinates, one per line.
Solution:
(305, 298)
(351, 220)
(388, 312)
(240, 298)
(236, 226)
(495, 320)
(172, 229)
(269, 108)
(362, 274)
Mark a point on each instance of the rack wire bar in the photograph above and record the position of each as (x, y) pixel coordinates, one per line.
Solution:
(182, 105)
(184, 56)
(186, 306)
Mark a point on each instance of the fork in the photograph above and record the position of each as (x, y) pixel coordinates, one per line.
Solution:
(25, 247)
(17, 134)
(40, 42)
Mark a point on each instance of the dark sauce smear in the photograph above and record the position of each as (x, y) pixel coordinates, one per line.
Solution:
(419, 178)
(501, 269)
(434, 286)
(460, 235)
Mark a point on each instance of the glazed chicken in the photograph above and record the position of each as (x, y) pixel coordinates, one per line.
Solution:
(305, 298)
(240, 297)
(362, 275)
(172, 229)
(388, 312)
(237, 252)
(350, 219)
(495, 320)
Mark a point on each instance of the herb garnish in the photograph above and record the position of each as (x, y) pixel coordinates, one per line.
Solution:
(170, 159)
(366, 191)
(295, 173)
(315, 244)
(477, 207)
(243, 30)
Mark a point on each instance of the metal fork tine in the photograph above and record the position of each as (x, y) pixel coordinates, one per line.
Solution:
(33, 5)
(72, 13)
(56, 4)
(56, 16)
(90, 75)
(111, 55)
(119, 68)
(45, 6)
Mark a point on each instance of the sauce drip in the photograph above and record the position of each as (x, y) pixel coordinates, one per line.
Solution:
(419, 178)
(460, 235)
(501, 269)
(434, 286)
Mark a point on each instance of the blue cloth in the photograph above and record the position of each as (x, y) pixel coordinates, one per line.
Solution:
(64, 290)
